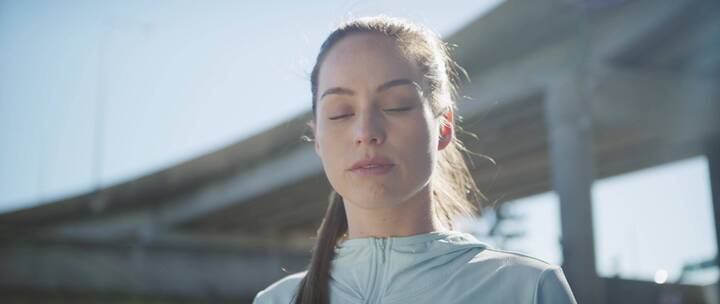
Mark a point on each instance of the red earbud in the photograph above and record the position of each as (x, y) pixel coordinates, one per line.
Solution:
(446, 131)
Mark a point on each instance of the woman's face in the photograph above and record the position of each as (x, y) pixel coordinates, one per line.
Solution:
(374, 131)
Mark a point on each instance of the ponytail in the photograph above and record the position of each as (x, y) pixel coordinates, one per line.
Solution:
(314, 287)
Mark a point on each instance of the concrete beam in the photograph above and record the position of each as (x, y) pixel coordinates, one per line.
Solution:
(625, 29)
(678, 104)
(145, 223)
(608, 31)
(595, 41)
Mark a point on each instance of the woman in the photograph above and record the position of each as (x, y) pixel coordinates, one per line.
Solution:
(383, 127)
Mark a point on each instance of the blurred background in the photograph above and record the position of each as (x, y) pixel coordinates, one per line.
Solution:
(152, 152)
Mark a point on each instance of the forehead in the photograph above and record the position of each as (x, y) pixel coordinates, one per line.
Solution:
(363, 61)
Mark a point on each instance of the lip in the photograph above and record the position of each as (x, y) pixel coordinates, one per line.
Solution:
(377, 165)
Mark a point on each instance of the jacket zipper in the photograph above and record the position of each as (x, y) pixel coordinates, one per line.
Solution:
(381, 268)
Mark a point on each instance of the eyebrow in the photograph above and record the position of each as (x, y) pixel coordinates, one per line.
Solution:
(380, 88)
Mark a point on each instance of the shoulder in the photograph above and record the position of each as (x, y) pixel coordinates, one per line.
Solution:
(543, 280)
(280, 292)
(512, 260)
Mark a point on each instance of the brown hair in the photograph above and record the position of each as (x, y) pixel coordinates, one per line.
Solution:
(453, 187)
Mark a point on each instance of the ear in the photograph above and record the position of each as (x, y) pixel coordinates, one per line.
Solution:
(446, 130)
(311, 125)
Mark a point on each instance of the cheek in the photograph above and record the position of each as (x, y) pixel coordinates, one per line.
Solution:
(417, 134)
(332, 152)
(415, 140)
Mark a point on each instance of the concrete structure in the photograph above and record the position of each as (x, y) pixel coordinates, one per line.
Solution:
(563, 93)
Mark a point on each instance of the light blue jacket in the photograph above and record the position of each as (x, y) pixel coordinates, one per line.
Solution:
(438, 267)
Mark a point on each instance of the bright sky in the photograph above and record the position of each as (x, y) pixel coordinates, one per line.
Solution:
(176, 79)
(656, 220)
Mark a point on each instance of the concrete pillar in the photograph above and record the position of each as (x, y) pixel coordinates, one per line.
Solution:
(568, 121)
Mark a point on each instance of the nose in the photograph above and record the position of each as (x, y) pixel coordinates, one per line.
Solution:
(369, 129)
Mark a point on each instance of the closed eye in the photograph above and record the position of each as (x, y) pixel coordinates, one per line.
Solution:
(339, 116)
(392, 110)
(402, 109)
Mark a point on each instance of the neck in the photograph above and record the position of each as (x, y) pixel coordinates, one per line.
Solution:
(414, 216)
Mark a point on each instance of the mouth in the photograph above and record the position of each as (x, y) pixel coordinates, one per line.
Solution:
(372, 166)
(373, 170)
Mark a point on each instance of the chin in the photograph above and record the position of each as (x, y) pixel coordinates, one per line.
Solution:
(367, 204)
(376, 198)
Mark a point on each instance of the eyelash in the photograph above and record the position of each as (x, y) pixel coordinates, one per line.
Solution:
(393, 110)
